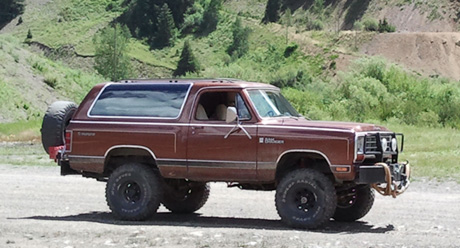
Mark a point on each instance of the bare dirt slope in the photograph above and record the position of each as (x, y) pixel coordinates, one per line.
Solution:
(39, 208)
(428, 53)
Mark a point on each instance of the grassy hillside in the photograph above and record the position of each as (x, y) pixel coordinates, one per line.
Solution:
(59, 61)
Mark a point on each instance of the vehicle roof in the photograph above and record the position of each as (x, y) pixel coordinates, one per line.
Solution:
(204, 82)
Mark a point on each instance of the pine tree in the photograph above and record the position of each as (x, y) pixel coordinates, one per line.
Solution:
(240, 42)
(142, 17)
(110, 59)
(187, 61)
(318, 7)
(272, 11)
(211, 16)
(29, 37)
(167, 32)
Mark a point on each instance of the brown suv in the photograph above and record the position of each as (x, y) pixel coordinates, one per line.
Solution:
(161, 141)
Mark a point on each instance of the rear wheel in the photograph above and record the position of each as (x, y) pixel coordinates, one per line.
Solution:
(182, 196)
(55, 121)
(354, 203)
(305, 198)
(134, 191)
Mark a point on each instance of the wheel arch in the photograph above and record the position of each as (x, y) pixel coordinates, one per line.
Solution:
(117, 155)
(295, 159)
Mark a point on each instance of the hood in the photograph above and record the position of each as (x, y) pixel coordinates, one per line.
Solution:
(346, 126)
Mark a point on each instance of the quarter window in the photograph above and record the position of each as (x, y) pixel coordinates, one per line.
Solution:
(141, 100)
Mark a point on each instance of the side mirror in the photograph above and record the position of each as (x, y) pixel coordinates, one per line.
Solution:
(231, 114)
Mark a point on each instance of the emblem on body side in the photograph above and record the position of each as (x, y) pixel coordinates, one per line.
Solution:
(268, 140)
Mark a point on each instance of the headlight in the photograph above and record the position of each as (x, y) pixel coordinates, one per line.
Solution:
(384, 143)
(360, 144)
(394, 144)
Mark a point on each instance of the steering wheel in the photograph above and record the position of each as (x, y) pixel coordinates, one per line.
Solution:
(270, 113)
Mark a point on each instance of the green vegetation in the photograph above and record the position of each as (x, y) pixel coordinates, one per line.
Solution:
(432, 152)
(24, 153)
(27, 79)
(111, 59)
(240, 41)
(272, 11)
(187, 62)
(21, 130)
(211, 16)
(167, 32)
(376, 90)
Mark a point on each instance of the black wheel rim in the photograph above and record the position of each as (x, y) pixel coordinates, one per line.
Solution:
(305, 200)
(131, 192)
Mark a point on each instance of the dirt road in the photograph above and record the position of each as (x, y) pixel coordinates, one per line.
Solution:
(39, 208)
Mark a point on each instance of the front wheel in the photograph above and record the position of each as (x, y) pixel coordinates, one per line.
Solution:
(354, 203)
(182, 196)
(134, 191)
(305, 198)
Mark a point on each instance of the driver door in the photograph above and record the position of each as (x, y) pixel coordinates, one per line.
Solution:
(210, 154)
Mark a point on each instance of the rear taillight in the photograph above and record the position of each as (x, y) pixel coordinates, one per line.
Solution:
(68, 141)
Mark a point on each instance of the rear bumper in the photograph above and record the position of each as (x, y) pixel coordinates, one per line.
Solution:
(387, 179)
(57, 154)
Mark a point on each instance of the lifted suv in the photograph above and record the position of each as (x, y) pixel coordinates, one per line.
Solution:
(161, 141)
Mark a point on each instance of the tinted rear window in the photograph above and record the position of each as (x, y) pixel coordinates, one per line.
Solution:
(141, 100)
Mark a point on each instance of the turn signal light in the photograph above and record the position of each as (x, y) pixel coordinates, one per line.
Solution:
(342, 169)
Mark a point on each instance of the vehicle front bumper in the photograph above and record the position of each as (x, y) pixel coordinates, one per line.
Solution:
(386, 179)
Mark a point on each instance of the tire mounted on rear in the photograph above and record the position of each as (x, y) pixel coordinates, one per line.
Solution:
(55, 121)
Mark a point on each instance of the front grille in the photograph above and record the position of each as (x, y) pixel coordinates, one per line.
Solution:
(372, 145)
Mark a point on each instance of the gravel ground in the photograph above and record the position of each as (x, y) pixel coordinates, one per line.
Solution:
(39, 208)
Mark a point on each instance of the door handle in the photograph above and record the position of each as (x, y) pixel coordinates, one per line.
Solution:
(198, 127)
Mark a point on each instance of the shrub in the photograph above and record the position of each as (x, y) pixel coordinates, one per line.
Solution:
(384, 26)
(373, 67)
(290, 49)
(51, 81)
(314, 24)
(370, 24)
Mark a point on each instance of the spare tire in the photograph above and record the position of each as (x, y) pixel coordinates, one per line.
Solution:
(55, 121)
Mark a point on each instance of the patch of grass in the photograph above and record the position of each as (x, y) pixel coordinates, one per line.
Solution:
(71, 83)
(20, 131)
(75, 20)
(24, 153)
(433, 152)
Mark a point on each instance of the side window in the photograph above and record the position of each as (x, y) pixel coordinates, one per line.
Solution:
(213, 106)
(141, 100)
(242, 108)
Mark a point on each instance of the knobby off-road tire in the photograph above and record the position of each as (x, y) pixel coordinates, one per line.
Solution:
(134, 191)
(305, 198)
(55, 121)
(354, 203)
(184, 197)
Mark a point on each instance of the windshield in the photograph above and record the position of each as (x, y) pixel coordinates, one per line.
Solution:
(271, 104)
